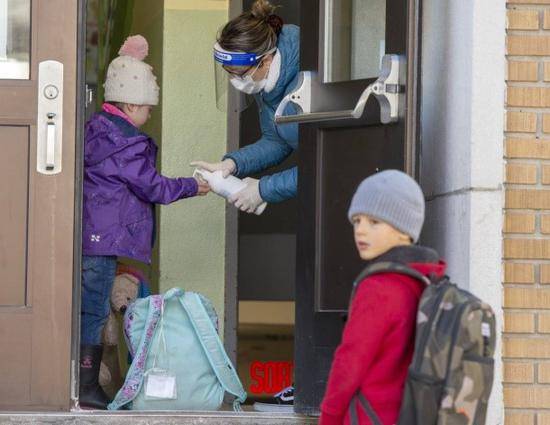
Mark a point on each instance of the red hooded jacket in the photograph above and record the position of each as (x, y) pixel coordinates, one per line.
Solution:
(378, 341)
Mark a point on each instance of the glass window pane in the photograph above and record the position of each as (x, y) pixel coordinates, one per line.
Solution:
(15, 36)
(355, 33)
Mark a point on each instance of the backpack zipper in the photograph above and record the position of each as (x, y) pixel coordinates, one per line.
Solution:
(428, 328)
(453, 341)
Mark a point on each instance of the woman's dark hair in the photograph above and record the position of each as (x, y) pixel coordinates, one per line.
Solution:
(255, 31)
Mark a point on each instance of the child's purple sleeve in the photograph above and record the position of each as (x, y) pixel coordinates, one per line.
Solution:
(136, 170)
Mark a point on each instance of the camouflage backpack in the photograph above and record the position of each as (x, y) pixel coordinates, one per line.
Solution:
(451, 374)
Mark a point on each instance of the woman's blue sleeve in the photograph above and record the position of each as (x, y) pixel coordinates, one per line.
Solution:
(280, 186)
(265, 153)
(270, 150)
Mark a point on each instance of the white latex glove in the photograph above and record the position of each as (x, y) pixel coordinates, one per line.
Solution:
(227, 166)
(248, 199)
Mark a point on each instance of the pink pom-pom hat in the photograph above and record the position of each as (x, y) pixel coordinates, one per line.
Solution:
(136, 47)
(129, 78)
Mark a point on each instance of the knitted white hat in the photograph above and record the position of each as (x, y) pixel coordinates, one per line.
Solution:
(129, 79)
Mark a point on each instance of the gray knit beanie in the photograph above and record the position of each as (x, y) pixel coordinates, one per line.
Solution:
(393, 197)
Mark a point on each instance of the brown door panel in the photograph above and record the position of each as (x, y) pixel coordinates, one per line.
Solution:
(37, 222)
(14, 143)
(16, 358)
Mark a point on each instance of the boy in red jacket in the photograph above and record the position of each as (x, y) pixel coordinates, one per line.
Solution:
(387, 213)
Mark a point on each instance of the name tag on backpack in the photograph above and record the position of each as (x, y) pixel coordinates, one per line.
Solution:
(160, 384)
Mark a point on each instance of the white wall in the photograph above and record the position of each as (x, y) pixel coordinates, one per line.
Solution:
(463, 77)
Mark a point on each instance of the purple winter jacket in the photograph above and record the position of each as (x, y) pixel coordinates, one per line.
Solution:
(121, 186)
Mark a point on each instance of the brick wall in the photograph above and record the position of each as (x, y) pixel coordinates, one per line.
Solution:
(526, 345)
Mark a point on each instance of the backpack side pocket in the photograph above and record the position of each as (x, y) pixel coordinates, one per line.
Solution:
(421, 400)
(473, 398)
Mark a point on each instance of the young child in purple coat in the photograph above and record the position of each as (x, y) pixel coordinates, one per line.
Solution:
(121, 187)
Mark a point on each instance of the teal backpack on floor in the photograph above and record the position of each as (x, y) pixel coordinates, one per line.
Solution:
(179, 362)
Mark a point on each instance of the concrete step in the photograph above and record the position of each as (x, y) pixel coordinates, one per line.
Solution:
(154, 418)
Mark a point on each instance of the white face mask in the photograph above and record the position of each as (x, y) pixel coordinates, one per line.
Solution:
(274, 72)
(247, 84)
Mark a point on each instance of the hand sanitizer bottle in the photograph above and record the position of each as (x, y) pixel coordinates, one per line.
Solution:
(224, 187)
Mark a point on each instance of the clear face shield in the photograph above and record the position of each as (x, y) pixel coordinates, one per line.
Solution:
(229, 65)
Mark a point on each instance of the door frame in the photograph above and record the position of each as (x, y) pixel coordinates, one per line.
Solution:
(79, 166)
(413, 133)
(231, 232)
(231, 221)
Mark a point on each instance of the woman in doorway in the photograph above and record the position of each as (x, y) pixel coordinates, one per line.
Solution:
(261, 57)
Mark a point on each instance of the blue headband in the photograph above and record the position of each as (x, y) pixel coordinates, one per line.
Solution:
(227, 58)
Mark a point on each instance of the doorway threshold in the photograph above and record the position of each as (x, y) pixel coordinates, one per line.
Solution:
(82, 417)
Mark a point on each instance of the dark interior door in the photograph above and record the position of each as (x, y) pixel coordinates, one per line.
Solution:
(343, 41)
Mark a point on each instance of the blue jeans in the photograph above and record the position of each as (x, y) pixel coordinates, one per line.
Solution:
(98, 275)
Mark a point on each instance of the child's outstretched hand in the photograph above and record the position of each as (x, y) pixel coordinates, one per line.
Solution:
(204, 187)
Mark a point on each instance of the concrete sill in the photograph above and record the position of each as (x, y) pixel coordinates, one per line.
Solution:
(154, 418)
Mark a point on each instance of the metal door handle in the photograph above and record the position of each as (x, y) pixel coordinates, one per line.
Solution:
(49, 140)
(301, 96)
(50, 143)
(386, 89)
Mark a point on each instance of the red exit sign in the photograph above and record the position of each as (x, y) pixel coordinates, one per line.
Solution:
(270, 377)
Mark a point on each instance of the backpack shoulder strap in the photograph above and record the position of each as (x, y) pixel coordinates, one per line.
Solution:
(386, 267)
(134, 377)
(360, 399)
(213, 347)
(390, 267)
(374, 269)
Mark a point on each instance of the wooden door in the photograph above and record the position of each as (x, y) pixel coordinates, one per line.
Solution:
(343, 43)
(37, 206)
